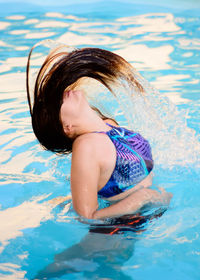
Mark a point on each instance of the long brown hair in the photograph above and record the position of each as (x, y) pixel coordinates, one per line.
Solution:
(60, 71)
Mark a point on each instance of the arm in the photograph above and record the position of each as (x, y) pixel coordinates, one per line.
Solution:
(85, 173)
(133, 203)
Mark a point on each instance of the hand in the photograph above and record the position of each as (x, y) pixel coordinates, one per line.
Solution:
(162, 197)
(166, 196)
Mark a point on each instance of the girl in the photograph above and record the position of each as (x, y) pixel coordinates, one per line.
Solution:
(108, 161)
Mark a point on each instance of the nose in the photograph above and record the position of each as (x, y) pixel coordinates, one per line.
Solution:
(65, 94)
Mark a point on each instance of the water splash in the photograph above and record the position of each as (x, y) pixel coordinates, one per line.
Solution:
(158, 119)
(151, 114)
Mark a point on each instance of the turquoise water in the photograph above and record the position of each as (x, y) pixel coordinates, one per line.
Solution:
(43, 240)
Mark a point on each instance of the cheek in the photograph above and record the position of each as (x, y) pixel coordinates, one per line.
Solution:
(63, 113)
(67, 113)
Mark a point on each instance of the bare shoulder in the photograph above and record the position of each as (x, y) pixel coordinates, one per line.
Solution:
(87, 145)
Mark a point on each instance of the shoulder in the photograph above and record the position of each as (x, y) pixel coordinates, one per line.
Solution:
(86, 147)
(85, 142)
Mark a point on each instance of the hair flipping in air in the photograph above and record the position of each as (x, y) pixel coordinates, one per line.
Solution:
(67, 68)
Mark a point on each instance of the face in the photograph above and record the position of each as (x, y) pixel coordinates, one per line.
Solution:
(70, 109)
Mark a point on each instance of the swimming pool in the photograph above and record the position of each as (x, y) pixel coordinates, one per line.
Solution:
(42, 239)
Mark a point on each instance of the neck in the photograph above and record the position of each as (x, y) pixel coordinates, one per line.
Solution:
(92, 122)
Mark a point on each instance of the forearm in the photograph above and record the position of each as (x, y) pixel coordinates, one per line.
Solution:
(132, 203)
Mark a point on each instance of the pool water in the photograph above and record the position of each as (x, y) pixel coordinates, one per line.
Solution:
(43, 239)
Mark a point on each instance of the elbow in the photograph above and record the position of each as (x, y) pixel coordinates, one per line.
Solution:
(87, 214)
(86, 211)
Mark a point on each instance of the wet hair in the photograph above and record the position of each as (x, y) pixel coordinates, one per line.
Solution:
(66, 69)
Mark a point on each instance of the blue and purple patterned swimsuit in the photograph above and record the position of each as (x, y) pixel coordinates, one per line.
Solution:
(133, 163)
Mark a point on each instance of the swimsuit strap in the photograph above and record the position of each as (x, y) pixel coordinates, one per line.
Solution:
(104, 132)
(109, 124)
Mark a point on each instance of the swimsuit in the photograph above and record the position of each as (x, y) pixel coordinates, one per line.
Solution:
(133, 161)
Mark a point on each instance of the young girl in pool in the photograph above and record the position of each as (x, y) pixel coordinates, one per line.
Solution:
(108, 161)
